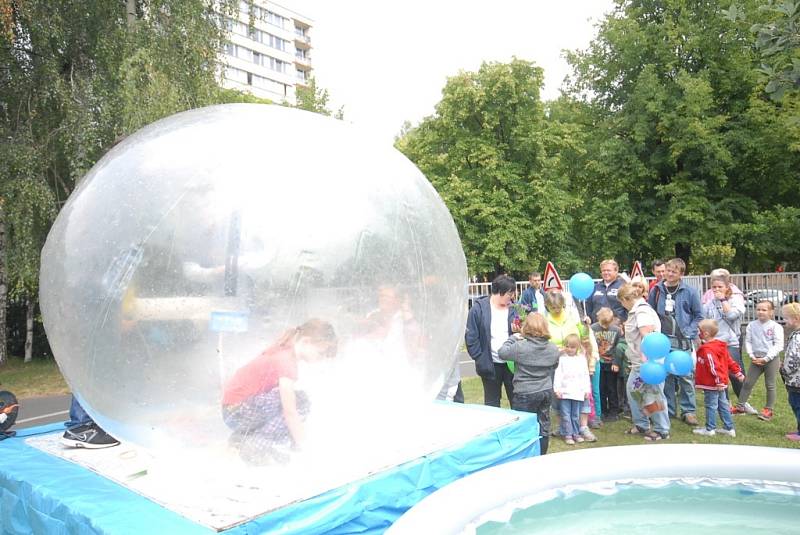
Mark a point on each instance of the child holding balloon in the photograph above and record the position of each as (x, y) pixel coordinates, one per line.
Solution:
(607, 335)
(714, 362)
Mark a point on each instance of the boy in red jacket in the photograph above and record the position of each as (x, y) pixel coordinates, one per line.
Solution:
(711, 376)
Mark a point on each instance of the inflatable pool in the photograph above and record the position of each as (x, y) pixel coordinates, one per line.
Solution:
(644, 489)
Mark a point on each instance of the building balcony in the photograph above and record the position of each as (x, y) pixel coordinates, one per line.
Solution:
(302, 62)
(302, 41)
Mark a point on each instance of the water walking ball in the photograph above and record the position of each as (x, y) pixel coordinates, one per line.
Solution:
(581, 286)
(679, 363)
(655, 346)
(653, 373)
(198, 241)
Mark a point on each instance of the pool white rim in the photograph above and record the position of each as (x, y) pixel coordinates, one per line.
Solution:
(450, 509)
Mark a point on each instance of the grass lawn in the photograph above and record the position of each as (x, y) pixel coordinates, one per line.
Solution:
(40, 377)
(749, 429)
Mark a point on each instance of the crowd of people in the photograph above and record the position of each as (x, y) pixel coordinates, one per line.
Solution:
(582, 360)
(579, 360)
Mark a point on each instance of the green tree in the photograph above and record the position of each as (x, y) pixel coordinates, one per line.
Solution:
(312, 98)
(680, 125)
(778, 42)
(492, 156)
(74, 78)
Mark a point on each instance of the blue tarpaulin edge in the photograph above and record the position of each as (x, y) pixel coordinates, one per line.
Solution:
(40, 493)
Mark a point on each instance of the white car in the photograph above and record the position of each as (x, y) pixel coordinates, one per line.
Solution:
(776, 297)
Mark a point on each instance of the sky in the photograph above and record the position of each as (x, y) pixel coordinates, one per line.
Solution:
(387, 62)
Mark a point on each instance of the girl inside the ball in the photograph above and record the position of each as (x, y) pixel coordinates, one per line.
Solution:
(261, 402)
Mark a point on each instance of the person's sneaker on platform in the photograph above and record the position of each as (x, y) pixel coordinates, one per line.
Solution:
(89, 436)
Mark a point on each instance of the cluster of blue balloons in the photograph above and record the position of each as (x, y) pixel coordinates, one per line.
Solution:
(655, 346)
(660, 360)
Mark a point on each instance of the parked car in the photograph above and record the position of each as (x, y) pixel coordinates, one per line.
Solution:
(778, 298)
(754, 296)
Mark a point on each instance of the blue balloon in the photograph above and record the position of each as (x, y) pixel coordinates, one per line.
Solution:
(679, 363)
(581, 286)
(655, 346)
(653, 373)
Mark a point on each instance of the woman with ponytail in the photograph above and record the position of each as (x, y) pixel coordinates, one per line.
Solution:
(261, 403)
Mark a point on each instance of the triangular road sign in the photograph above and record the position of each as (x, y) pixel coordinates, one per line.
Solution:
(551, 280)
(636, 270)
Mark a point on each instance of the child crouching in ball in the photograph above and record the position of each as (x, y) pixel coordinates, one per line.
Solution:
(261, 402)
(711, 376)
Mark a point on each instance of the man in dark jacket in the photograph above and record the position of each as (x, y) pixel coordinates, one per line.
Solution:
(605, 292)
(488, 326)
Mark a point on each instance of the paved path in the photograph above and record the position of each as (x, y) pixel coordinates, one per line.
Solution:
(42, 410)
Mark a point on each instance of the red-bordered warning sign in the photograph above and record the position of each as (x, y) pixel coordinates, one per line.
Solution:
(636, 270)
(551, 279)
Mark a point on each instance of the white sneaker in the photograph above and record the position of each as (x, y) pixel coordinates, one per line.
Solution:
(727, 432)
(587, 435)
(748, 408)
(704, 432)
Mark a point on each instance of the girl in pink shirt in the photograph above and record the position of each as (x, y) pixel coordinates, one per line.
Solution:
(260, 402)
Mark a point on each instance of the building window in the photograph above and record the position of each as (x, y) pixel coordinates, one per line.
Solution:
(270, 85)
(236, 75)
(249, 78)
(277, 65)
(301, 75)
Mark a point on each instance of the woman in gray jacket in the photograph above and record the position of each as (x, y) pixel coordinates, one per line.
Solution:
(727, 308)
(536, 360)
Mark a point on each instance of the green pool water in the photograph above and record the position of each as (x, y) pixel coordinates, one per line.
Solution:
(672, 509)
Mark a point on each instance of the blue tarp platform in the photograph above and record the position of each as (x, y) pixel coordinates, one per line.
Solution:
(40, 493)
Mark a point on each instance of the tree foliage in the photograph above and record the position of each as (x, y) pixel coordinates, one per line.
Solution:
(312, 98)
(676, 99)
(74, 78)
(664, 144)
(492, 155)
(778, 42)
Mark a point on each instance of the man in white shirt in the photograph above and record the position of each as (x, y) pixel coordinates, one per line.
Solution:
(488, 326)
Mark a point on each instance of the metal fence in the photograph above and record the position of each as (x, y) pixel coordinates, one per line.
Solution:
(779, 288)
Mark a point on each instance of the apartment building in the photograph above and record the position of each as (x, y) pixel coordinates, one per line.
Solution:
(268, 53)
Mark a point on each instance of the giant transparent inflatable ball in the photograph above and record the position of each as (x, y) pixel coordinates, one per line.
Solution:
(206, 238)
